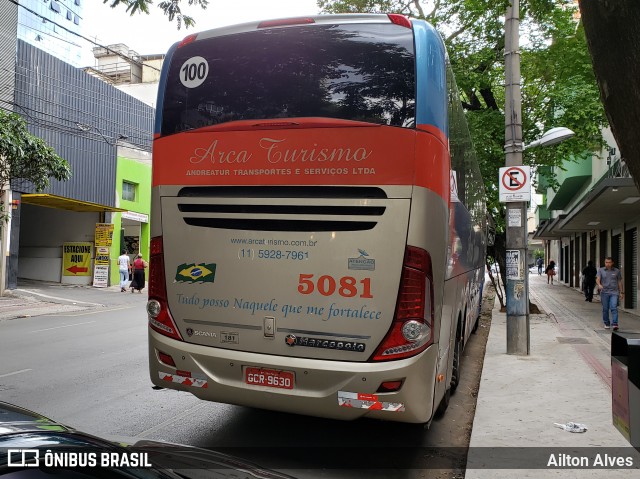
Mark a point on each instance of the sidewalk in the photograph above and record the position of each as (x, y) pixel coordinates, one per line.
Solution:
(567, 377)
(35, 298)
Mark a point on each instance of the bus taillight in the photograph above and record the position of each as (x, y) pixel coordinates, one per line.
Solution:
(285, 22)
(160, 319)
(188, 39)
(399, 20)
(412, 328)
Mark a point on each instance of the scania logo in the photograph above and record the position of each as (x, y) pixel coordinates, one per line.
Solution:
(207, 334)
(189, 332)
(290, 339)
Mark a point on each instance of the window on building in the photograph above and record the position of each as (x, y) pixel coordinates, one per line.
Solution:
(78, 2)
(69, 15)
(128, 191)
(55, 6)
(76, 19)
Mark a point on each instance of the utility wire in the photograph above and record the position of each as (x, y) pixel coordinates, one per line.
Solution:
(34, 80)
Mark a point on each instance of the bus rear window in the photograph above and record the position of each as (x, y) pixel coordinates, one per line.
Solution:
(360, 72)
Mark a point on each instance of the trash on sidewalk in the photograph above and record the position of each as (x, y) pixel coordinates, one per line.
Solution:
(572, 427)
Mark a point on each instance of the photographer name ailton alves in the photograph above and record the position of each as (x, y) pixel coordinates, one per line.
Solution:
(600, 460)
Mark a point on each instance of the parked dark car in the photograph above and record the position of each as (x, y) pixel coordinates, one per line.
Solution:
(35, 447)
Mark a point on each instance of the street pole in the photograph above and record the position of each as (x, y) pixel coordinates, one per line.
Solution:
(517, 290)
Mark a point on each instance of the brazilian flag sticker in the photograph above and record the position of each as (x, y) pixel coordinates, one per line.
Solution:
(196, 273)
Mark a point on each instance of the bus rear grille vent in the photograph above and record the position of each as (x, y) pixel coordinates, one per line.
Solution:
(280, 225)
(363, 192)
(284, 209)
(290, 217)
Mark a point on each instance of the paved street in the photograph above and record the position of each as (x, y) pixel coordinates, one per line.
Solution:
(88, 369)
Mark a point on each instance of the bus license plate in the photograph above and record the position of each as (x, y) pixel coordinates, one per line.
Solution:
(269, 378)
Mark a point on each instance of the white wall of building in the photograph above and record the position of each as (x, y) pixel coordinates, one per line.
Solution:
(42, 233)
(145, 92)
(151, 70)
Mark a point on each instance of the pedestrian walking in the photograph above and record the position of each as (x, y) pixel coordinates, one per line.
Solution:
(124, 264)
(609, 282)
(540, 264)
(550, 271)
(139, 266)
(589, 278)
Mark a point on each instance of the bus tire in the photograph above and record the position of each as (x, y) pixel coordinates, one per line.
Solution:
(444, 404)
(456, 370)
(475, 325)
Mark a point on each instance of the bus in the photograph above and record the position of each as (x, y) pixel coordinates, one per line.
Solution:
(318, 219)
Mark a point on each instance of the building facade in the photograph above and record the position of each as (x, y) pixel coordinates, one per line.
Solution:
(595, 213)
(93, 126)
(53, 26)
(103, 133)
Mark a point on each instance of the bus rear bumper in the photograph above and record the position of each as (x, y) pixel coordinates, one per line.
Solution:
(332, 389)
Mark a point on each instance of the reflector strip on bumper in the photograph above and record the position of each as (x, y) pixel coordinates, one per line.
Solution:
(367, 401)
(173, 378)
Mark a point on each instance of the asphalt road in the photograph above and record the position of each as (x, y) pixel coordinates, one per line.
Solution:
(89, 370)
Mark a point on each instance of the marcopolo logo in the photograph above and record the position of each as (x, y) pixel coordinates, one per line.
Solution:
(293, 340)
(195, 273)
(362, 262)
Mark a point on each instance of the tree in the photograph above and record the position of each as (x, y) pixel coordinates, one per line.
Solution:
(24, 157)
(171, 9)
(613, 37)
(558, 85)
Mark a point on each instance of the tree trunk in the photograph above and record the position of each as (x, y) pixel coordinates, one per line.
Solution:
(613, 35)
(499, 252)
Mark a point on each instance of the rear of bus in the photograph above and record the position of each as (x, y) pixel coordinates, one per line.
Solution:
(300, 217)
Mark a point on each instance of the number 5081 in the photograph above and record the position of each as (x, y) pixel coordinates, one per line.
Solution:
(347, 286)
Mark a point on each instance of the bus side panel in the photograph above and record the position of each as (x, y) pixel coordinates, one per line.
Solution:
(428, 230)
(431, 83)
(162, 86)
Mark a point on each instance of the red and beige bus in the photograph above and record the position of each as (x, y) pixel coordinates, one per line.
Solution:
(318, 219)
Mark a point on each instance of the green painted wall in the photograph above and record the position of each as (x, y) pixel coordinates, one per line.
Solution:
(139, 173)
(571, 177)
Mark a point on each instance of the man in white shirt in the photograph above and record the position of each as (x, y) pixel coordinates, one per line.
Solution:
(125, 266)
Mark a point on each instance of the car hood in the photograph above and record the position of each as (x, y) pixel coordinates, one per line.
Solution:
(21, 427)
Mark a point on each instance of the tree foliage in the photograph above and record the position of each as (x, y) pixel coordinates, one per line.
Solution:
(27, 157)
(558, 85)
(171, 9)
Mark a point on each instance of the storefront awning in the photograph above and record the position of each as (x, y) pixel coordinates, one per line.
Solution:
(609, 204)
(549, 229)
(62, 203)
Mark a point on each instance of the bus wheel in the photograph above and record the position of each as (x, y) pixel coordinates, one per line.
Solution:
(455, 373)
(475, 325)
(444, 404)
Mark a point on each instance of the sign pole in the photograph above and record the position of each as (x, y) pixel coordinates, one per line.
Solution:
(517, 287)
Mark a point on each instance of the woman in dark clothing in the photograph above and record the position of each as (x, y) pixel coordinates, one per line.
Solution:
(550, 271)
(589, 273)
(138, 274)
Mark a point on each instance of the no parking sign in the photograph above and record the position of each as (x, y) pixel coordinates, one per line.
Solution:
(515, 184)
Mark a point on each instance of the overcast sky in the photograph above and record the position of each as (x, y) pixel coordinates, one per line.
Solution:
(153, 33)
